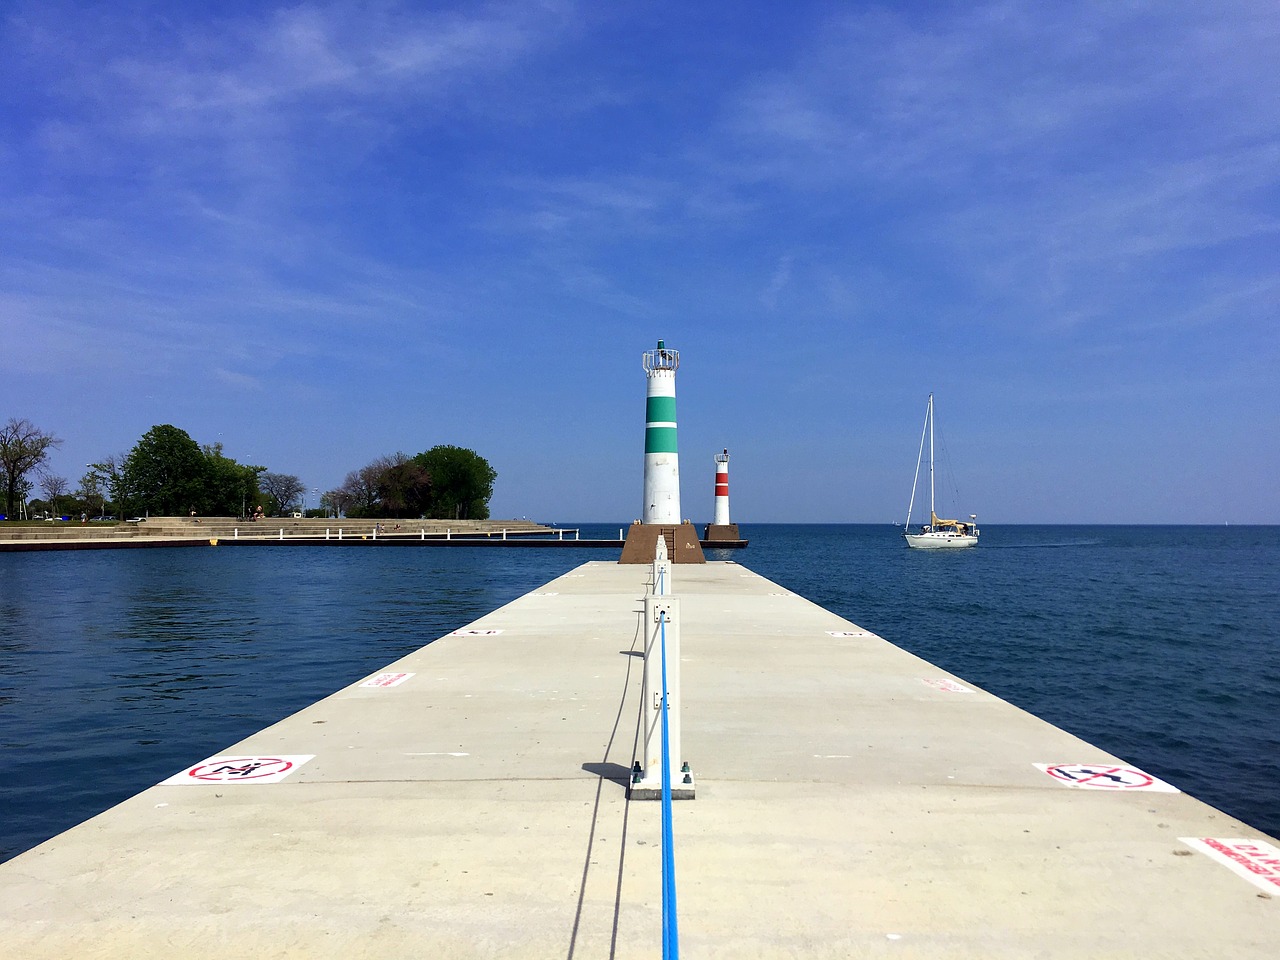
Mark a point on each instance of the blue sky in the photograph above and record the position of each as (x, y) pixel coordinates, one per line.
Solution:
(322, 233)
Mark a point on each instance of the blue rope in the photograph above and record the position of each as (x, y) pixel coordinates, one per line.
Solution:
(670, 933)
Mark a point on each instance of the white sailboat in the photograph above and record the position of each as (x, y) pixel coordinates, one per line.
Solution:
(936, 534)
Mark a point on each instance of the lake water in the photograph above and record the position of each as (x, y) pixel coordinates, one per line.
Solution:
(121, 667)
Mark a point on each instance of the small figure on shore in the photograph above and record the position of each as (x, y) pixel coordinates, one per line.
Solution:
(84, 517)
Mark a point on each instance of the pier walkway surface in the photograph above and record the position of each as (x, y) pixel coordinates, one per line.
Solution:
(852, 801)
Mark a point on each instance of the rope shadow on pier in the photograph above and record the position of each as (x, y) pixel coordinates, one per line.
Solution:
(608, 771)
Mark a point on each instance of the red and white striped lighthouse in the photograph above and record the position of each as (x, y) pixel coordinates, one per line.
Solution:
(721, 529)
(721, 515)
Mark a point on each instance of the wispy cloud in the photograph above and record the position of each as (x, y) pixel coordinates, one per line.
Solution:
(166, 187)
(229, 108)
(912, 95)
(778, 282)
(1074, 159)
(184, 73)
(577, 206)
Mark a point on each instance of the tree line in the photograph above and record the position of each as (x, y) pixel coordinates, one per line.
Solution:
(167, 473)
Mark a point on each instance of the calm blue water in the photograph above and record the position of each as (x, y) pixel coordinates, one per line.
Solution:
(119, 668)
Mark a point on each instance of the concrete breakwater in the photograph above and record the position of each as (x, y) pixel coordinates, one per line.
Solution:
(194, 531)
(470, 800)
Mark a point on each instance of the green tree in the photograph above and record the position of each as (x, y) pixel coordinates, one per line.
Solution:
(461, 482)
(23, 446)
(232, 487)
(166, 473)
(404, 489)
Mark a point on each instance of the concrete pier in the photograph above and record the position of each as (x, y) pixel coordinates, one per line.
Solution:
(471, 801)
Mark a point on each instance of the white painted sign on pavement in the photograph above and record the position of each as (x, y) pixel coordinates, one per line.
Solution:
(947, 684)
(1255, 860)
(241, 769)
(387, 680)
(1105, 776)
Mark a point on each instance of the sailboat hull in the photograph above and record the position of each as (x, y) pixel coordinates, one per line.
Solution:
(939, 541)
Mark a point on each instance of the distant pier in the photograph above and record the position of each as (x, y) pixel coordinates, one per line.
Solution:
(471, 800)
(276, 531)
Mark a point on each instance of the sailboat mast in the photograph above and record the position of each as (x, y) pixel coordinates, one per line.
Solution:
(915, 477)
(933, 514)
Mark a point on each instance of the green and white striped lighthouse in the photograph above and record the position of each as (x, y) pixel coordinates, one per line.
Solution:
(661, 462)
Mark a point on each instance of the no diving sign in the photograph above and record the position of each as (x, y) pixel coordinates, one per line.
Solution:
(1104, 776)
(947, 684)
(384, 680)
(223, 770)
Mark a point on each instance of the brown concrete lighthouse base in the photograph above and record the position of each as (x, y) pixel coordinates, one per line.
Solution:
(642, 541)
(721, 531)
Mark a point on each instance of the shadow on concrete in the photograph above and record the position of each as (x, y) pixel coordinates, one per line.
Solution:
(609, 771)
(620, 774)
